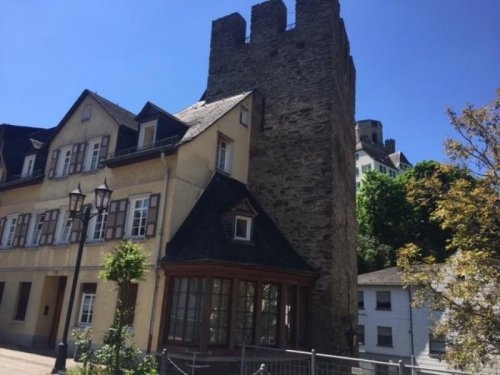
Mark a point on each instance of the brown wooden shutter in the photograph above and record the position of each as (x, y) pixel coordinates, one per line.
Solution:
(21, 230)
(80, 157)
(74, 156)
(2, 225)
(103, 151)
(154, 204)
(76, 226)
(51, 226)
(115, 223)
(53, 163)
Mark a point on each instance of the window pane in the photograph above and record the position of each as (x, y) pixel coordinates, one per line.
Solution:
(384, 336)
(383, 300)
(245, 312)
(361, 300)
(269, 314)
(219, 312)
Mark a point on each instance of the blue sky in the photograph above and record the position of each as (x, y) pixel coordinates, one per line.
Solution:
(413, 58)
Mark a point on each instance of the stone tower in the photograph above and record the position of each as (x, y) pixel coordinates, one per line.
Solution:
(302, 145)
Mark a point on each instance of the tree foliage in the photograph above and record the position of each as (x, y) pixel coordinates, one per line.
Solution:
(466, 285)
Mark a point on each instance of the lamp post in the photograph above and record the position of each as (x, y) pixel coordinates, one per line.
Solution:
(76, 198)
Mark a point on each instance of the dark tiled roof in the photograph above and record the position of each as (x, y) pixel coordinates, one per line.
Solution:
(207, 232)
(202, 115)
(398, 158)
(376, 153)
(388, 276)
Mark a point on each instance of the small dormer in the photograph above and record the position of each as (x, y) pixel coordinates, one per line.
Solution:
(243, 215)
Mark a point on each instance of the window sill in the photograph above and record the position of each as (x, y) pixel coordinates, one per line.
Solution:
(385, 346)
(5, 248)
(135, 239)
(383, 309)
(32, 247)
(94, 242)
(61, 244)
(90, 171)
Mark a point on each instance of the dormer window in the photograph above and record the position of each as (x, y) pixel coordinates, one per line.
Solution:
(147, 135)
(29, 163)
(244, 116)
(86, 113)
(242, 228)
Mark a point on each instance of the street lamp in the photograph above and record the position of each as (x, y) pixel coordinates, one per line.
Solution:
(76, 198)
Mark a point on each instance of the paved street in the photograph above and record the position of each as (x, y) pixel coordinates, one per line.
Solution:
(16, 362)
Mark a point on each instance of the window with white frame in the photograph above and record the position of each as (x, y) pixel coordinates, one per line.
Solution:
(92, 158)
(384, 336)
(138, 216)
(242, 228)
(147, 134)
(383, 300)
(366, 168)
(98, 227)
(9, 231)
(437, 344)
(86, 112)
(64, 227)
(64, 161)
(361, 300)
(36, 230)
(223, 155)
(382, 169)
(87, 304)
(244, 116)
(361, 334)
(28, 166)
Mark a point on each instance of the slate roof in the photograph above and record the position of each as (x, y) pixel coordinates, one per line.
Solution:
(202, 115)
(398, 158)
(388, 276)
(376, 153)
(119, 114)
(207, 233)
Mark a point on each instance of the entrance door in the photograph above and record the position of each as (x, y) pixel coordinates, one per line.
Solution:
(57, 312)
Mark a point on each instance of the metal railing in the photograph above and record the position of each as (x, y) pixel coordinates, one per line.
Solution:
(162, 143)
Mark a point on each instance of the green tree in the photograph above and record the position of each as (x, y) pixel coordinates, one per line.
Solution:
(383, 221)
(465, 287)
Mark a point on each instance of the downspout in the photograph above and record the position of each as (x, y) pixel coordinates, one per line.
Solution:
(411, 328)
(159, 248)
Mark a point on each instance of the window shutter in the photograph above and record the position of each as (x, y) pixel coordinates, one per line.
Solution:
(21, 230)
(2, 225)
(74, 156)
(53, 163)
(52, 224)
(76, 227)
(121, 215)
(103, 151)
(80, 157)
(154, 204)
(115, 224)
(45, 227)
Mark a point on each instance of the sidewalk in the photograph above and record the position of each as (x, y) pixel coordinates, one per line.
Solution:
(21, 361)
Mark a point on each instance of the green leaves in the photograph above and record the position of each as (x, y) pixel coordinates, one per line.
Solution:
(125, 264)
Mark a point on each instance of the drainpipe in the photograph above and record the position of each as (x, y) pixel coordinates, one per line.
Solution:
(411, 330)
(159, 248)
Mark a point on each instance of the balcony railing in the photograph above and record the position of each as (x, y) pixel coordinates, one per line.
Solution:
(169, 142)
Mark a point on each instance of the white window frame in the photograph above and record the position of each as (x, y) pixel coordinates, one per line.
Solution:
(223, 161)
(86, 113)
(62, 225)
(365, 168)
(381, 301)
(383, 334)
(143, 217)
(65, 156)
(248, 232)
(98, 226)
(92, 157)
(34, 223)
(244, 116)
(142, 132)
(28, 165)
(90, 311)
(9, 230)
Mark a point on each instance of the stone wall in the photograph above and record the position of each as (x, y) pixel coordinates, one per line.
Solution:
(302, 142)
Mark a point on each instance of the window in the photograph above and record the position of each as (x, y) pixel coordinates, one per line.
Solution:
(186, 309)
(357, 171)
(392, 173)
(366, 168)
(383, 300)
(99, 227)
(223, 156)
(147, 135)
(87, 304)
(245, 307)
(242, 228)
(358, 185)
(138, 217)
(64, 162)
(29, 163)
(357, 156)
(10, 230)
(92, 159)
(22, 300)
(244, 116)
(37, 230)
(86, 113)
(219, 314)
(65, 225)
(2, 287)
(437, 344)
(361, 334)
(384, 336)
(269, 314)
(382, 169)
(361, 300)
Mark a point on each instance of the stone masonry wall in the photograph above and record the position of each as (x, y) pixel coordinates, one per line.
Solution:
(302, 146)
